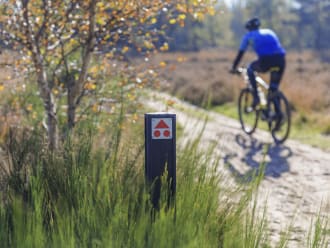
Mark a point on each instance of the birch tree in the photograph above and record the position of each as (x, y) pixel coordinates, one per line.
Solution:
(57, 40)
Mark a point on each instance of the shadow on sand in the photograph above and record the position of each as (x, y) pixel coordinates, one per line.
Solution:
(272, 158)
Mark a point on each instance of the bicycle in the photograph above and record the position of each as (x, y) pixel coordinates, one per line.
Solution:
(278, 123)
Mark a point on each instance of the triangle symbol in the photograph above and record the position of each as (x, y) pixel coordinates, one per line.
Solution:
(161, 125)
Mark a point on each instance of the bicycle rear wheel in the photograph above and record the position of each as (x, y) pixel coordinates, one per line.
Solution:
(248, 116)
(280, 124)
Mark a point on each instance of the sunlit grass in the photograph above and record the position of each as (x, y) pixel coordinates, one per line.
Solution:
(87, 197)
(305, 127)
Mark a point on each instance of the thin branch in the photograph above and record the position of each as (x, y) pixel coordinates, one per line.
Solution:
(43, 26)
(87, 53)
(65, 55)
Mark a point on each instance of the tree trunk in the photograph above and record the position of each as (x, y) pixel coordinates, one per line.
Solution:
(76, 87)
(71, 112)
(43, 84)
(50, 108)
(52, 130)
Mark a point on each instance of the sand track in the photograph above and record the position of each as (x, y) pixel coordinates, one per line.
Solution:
(296, 186)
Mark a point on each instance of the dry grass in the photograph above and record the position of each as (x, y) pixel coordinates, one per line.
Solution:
(198, 77)
(7, 67)
(306, 81)
(203, 78)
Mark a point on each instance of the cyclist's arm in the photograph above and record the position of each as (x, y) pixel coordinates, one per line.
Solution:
(243, 47)
(237, 59)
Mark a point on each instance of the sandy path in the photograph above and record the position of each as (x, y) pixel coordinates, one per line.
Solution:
(297, 176)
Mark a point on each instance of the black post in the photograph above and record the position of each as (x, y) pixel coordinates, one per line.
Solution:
(160, 154)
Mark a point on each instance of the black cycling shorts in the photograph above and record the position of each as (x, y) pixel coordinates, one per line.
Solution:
(275, 64)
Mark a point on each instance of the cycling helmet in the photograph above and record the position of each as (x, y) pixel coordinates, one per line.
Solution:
(252, 24)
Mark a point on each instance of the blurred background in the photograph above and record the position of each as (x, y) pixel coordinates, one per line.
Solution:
(195, 50)
(301, 24)
(202, 51)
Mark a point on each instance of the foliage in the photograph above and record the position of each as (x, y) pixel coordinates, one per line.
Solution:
(313, 17)
(58, 40)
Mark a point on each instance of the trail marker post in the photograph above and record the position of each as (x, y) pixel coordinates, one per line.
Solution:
(160, 154)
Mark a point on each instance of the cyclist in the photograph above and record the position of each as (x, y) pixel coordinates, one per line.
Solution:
(271, 57)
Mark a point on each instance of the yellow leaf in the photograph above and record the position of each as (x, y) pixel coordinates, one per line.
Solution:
(100, 5)
(100, 21)
(95, 108)
(73, 42)
(199, 16)
(90, 86)
(109, 55)
(94, 69)
(181, 8)
(211, 11)
(2, 87)
(153, 20)
(29, 107)
(164, 47)
(182, 16)
(172, 21)
(125, 49)
(55, 92)
(135, 117)
(148, 44)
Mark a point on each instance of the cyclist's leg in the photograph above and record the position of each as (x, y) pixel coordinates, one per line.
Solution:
(276, 73)
(254, 66)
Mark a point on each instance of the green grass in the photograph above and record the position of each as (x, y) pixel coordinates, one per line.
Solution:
(304, 128)
(229, 109)
(85, 197)
(92, 193)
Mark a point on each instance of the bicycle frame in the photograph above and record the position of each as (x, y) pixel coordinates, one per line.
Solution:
(259, 80)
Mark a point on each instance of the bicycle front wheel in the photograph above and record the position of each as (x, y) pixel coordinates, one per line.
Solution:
(281, 123)
(248, 116)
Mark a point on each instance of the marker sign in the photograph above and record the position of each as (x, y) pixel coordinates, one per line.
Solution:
(161, 128)
(160, 155)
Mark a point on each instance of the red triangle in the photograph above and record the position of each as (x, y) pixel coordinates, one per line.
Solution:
(161, 124)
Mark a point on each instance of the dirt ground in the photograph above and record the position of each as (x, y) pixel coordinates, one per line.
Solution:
(296, 186)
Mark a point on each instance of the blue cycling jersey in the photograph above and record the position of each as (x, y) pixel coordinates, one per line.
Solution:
(264, 42)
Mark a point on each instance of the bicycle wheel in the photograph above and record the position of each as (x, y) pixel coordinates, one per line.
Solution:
(279, 123)
(247, 115)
